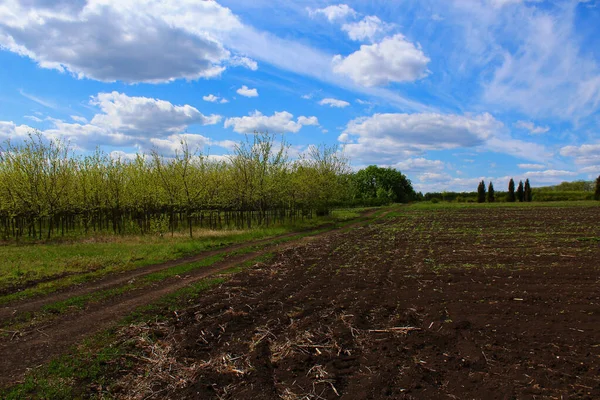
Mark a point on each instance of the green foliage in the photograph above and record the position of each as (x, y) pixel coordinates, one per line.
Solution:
(47, 191)
(527, 193)
(491, 194)
(481, 192)
(521, 192)
(576, 186)
(386, 185)
(511, 198)
(597, 191)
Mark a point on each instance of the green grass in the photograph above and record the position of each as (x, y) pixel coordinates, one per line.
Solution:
(100, 358)
(70, 263)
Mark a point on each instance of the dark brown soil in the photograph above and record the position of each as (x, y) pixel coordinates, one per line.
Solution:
(454, 304)
(28, 349)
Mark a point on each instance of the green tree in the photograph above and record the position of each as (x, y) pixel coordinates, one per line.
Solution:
(521, 192)
(511, 192)
(481, 192)
(384, 184)
(597, 192)
(491, 194)
(528, 194)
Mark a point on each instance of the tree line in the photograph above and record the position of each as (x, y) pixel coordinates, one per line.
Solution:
(48, 190)
(523, 193)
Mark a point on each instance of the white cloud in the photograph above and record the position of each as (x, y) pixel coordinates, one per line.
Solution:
(279, 122)
(333, 13)
(244, 62)
(584, 155)
(34, 118)
(78, 118)
(308, 121)
(593, 171)
(129, 40)
(415, 165)
(334, 103)
(532, 166)
(33, 98)
(9, 130)
(544, 72)
(211, 98)
(246, 92)
(224, 101)
(549, 176)
(386, 137)
(370, 27)
(145, 116)
(394, 59)
(503, 143)
(530, 126)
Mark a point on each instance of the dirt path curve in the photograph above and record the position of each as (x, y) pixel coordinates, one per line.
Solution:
(119, 279)
(33, 348)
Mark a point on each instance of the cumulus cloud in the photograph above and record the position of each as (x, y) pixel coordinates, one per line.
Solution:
(247, 92)
(122, 121)
(333, 13)
(388, 136)
(129, 40)
(279, 122)
(143, 115)
(530, 126)
(394, 59)
(14, 132)
(211, 98)
(584, 155)
(334, 103)
(369, 28)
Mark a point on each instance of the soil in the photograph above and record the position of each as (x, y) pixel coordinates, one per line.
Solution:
(454, 304)
(30, 348)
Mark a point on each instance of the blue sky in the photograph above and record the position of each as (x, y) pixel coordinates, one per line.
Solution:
(449, 92)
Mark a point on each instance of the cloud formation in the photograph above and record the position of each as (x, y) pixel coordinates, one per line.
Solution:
(121, 40)
(247, 92)
(279, 122)
(394, 59)
(334, 103)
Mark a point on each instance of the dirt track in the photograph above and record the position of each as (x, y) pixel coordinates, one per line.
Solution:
(40, 344)
(484, 304)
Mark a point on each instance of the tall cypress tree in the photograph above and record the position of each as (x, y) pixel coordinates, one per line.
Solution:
(597, 193)
(521, 192)
(481, 192)
(528, 192)
(491, 194)
(511, 192)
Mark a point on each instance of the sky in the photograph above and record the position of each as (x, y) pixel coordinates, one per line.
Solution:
(449, 92)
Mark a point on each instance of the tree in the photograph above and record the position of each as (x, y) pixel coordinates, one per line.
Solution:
(511, 191)
(528, 195)
(384, 184)
(521, 192)
(491, 196)
(481, 192)
(597, 193)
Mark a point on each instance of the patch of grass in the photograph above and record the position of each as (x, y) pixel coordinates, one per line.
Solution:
(99, 359)
(48, 267)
